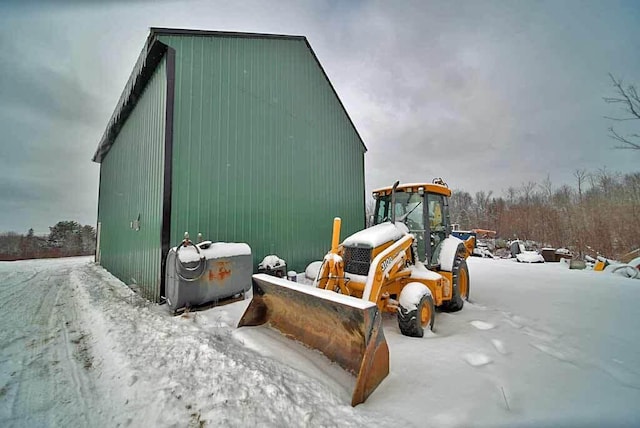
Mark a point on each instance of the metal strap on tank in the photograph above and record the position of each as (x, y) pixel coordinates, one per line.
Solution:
(179, 265)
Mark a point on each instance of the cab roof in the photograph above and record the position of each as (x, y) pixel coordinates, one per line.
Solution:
(413, 187)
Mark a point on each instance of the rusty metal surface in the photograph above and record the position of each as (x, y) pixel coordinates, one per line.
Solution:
(375, 362)
(348, 335)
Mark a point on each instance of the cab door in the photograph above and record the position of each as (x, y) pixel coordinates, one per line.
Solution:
(437, 224)
(414, 212)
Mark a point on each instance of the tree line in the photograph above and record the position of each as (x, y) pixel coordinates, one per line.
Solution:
(598, 216)
(65, 239)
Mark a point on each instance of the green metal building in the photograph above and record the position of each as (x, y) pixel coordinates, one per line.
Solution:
(238, 136)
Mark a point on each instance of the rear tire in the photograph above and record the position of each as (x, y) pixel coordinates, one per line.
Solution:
(413, 322)
(460, 293)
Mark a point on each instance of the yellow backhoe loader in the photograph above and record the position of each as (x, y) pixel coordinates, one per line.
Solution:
(406, 263)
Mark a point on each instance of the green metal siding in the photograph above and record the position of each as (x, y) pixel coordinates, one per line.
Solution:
(131, 184)
(263, 151)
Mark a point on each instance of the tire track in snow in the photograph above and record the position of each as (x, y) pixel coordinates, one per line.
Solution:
(12, 293)
(78, 378)
(31, 398)
(550, 343)
(36, 372)
(5, 281)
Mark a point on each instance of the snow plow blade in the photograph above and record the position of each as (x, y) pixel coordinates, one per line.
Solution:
(345, 329)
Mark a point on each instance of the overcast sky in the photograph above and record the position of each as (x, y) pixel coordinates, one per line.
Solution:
(487, 95)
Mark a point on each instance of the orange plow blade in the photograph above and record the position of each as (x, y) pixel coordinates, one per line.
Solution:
(345, 329)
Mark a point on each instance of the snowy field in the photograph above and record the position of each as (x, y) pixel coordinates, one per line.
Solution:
(540, 345)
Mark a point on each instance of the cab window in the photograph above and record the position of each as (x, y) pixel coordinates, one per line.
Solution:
(408, 205)
(436, 212)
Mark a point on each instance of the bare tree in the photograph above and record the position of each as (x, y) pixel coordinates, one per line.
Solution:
(547, 187)
(527, 190)
(630, 101)
(512, 193)
(605, 219)
(605, 179)
(481, 208)
(581, 176)
(461, 204)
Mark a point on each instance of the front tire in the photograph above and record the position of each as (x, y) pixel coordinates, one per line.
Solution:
(460, 293)
(414, 318)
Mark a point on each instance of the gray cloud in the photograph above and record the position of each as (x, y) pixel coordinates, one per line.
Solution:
(487, 95)
(47, 93)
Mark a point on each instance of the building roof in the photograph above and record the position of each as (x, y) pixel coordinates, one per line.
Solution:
(149, 58)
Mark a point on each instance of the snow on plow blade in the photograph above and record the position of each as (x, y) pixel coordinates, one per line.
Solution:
(345, 329)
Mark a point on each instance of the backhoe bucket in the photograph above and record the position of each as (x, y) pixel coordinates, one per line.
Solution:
(345, 329)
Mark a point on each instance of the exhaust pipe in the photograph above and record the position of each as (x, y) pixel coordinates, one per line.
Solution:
(393, 202)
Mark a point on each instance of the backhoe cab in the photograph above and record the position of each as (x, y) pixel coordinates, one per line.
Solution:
(423, 208)
(409, 242)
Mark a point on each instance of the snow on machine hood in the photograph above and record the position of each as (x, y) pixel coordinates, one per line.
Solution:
(378, 234)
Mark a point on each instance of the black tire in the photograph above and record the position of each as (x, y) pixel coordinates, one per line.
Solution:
(410, 322)
(460, 274)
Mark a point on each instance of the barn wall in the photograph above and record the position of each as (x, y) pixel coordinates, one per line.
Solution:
(263, 151)
(131, 185)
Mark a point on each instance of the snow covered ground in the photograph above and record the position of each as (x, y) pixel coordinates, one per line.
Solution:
(540, 345)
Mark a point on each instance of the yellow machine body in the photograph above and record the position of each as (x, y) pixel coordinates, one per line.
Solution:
(341, 315)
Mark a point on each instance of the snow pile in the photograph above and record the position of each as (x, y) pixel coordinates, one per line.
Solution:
(499, 345)
(271, 262)
(482, 252)
(79, 348)
(635, 262)
(311, 272)
(625, 270)
(335, 258)
(212, 250)
(317, 292)
(529, 257)
(448, 251)
(149, 368)
(377, 235)
(412, 294)
(481, 325)
(477, 359)
(420, 271)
